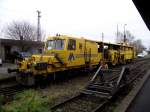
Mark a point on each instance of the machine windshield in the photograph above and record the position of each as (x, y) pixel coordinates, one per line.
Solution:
(55, 44)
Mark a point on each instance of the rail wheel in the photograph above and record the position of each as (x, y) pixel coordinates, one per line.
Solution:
(122, 60)
(115, 60)
(27, 80)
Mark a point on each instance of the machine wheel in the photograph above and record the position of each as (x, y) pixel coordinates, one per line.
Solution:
(122, 60)
(27, 80)
(114, 62)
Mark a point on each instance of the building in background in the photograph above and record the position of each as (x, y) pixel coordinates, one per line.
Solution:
(8, 46)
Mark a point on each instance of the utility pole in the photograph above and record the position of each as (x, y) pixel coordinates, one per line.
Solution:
(103, 45)
(124, 33)
(0, 49)
(117, 32)
(38, 26)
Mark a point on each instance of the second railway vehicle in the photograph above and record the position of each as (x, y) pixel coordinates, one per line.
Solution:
(62, 53)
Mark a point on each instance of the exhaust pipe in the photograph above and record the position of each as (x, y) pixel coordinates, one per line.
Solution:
(9, 70)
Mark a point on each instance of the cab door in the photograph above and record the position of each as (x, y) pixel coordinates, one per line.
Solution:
(75, 52)
(91, 52)
(71, 52)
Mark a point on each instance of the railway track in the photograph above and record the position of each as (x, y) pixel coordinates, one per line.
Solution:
(101, 95)
(11, 90)
(7, 80)
(90, 99)
(97, 95)
(9, 87)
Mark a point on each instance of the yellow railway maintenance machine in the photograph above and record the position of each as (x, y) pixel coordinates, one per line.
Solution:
(63, 53)
(117, 53)
(60, 53)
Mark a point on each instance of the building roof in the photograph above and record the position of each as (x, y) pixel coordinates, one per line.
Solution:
(21, 42)
(143, 8)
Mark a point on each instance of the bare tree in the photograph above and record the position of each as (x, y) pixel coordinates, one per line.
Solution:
(138, 46)
(21, 31)
(119, 36)
(130, 39)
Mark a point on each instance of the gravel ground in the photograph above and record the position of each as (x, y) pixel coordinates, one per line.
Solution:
(58, 92)
(114, 106)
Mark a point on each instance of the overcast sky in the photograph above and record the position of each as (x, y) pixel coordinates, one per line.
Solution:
(82, 18)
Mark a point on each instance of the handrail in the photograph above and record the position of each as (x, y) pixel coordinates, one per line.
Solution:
(95, 75)
(121, 75)
(59, 59)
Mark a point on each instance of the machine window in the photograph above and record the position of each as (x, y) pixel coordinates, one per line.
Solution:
(55, 44)
(100, 48)
(71, 44)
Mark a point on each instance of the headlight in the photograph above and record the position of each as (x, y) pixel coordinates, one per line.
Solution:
(41, 66)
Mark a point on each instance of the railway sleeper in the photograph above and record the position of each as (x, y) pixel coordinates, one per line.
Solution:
(96, 93)
(107, 86)
(100, 93)
(109, 83)
(100, 88)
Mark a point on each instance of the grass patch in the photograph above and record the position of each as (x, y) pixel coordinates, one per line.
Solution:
(60, 92)
(27, 101)
(41, 100)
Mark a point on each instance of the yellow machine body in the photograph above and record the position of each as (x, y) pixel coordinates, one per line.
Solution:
(73, 53)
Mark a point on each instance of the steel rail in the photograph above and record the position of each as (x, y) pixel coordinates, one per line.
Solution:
(136, 72)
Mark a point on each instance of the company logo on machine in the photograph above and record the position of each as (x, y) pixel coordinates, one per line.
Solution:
(71, 57)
